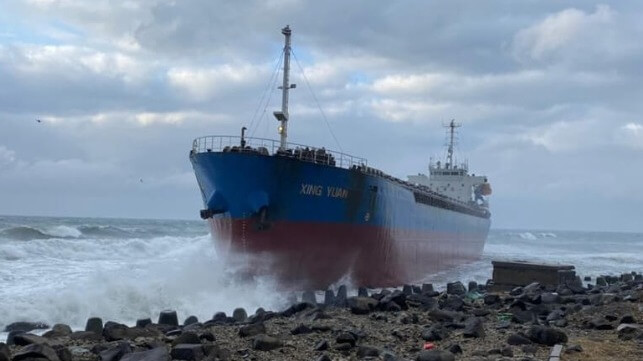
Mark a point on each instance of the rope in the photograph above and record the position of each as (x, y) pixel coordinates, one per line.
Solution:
(274, 74)
(316, 101)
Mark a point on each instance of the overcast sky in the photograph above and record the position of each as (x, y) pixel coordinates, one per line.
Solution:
(550, 95)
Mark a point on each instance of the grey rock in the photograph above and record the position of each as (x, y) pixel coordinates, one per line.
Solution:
(188, 352)
(491, 299)
(362, 292)
(155, 354)
(367, 351)
(443, 316)
(264, 342)
(59, 330)
(518, 339)
(329, 298)
(113, 331)
(474, 328)
(168, 317)
(549, 298)
(12, 335)
(629, 331)
(472, 286)
(190, 320)
(36, 351)
(435, 332)
(323, 357)
(573, 348)
(407, 290)
(346, 337)
(480, 312)
(427, 288)
(555, 315)
(435, 355)
(507, 351)
(25, 326)
(453, 302)
(361, 305)
(94, 324)
(116, 352)
(252, 329)
(187, 338)
(301, 329)
(341, 297)
(546, 335)
(239, 314)
(600, 323)
(86, 336)
(142, 322)
(24, 339)
(321, 345)
(455, 349)
(456, 288)
(343, 346)
(600, 281)
(628, 318)
(5, 353)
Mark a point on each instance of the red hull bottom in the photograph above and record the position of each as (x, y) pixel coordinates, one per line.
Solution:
(313, 255)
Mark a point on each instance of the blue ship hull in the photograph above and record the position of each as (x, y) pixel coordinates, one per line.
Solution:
(310, 224)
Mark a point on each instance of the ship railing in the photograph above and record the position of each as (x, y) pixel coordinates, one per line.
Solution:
(265, 146)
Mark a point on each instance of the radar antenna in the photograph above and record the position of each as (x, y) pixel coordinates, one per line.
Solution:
(452, 126)
(282, 115)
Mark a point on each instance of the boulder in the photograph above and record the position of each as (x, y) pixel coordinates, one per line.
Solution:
(86, 336)
(518, 339)
(453, 302)
(520, 316)
(113, 331)
(549, 298)
(367, 351)
(456, 288)
(321, 345)
(361, 305)
(346, 337)
(455, 349)
(546, 335)
(472, 286)
(435, 355)
(427, 288)
(25, 326)
(296, 308)
(443, 316)
(252, 329)
(115, 352)
(329, 298)
(142, 322)
(264, 342)
(190, 320)
(491, 299)
(341, 297)
(396, 296)
(555, 315)
(155, 354)
(5, 353)
(421, 301)
(187, 338)
(239, 314)
(600, 323)
(36, 351)
(362, 292)
(600, 281)
(435, 332)
(480, 312)
(12, 335)
(168, 317)
(187, 352)
(323, 357)
(630, 331)
(59, 330)
(407, 290)
(473, 328)
(301, 329)
(24, 339)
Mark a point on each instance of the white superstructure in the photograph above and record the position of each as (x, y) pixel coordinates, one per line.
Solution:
(454, 180)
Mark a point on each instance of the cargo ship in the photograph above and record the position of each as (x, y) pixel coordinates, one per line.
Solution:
(310, 216)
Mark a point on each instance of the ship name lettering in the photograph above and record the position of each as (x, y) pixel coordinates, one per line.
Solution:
(336, 192)
(311, 190)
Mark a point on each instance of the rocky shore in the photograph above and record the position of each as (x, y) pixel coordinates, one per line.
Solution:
(598, 321)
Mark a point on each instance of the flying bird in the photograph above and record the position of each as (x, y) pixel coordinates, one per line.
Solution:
(38, 121)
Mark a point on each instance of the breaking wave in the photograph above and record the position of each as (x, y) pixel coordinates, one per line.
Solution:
(27, 233)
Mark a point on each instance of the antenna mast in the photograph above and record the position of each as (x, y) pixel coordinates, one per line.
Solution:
(282, 115)
(451, 127)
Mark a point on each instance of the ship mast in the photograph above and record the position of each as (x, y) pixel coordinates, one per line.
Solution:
(451, 127)
(282, 115)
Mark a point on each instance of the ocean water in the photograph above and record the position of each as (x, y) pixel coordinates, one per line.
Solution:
(68, 269)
